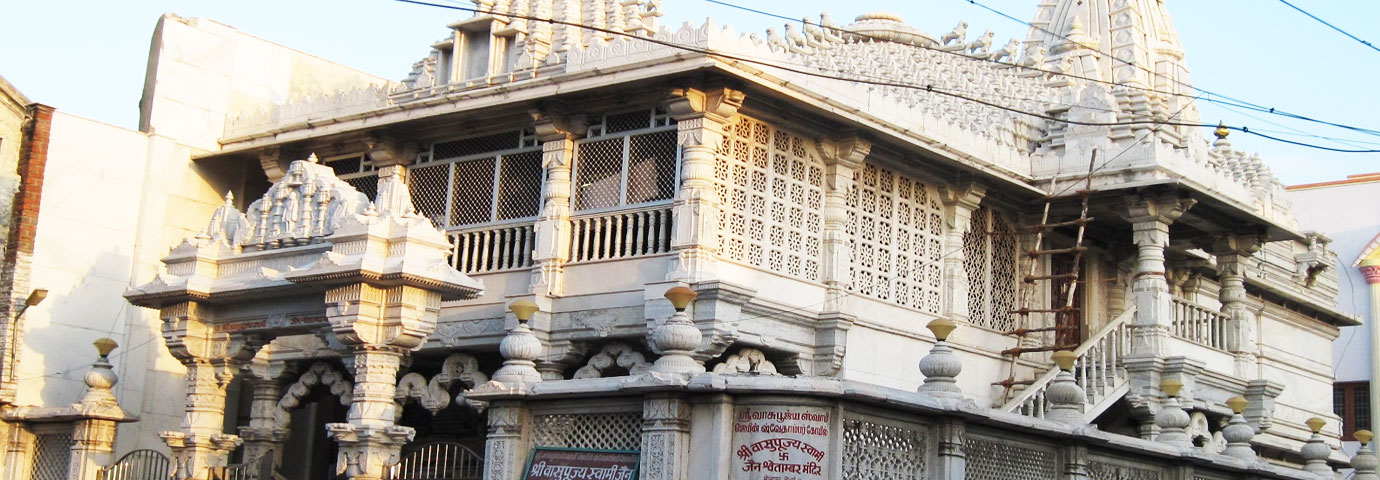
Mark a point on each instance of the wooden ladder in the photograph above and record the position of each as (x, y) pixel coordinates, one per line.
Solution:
(1065, 312)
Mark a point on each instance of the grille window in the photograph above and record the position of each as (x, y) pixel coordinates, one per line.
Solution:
(1351, 401)
(357, 171)
(630, 159)
(479, 180)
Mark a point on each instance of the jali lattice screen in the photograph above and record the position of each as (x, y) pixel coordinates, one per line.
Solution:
(618, 431)
(897, 237)
(770, 185)
(882, 451)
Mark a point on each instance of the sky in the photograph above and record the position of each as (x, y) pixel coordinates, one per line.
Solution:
(88, 58)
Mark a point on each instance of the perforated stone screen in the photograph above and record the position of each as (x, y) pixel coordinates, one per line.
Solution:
(989, 249)
(52, 453)
(770, 187)
(617, 431)
(897, 237)
(1007, 459)
(880, 450)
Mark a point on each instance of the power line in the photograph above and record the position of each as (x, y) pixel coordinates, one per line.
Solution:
(1329, 25)
(927, 88)
(1238, 102)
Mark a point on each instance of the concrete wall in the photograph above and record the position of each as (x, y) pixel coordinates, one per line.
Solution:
(201, 71)
(1323, 209)
(114, 199)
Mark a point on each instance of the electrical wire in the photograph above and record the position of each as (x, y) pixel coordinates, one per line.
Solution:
(927, 88)
(1329, 25)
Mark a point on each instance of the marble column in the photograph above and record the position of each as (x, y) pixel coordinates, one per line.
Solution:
(1233, 252)
(263, 436)
(701, 114)
(841, 159)
(960, 201)
(380, 325)
(665, 438)
(1370, 268)
(212, 359)
(509, 440)
(557, 134)
(1150, 217)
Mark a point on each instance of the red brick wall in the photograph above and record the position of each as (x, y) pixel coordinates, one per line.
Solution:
(33, 157)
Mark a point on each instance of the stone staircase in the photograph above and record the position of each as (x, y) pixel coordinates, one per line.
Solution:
(1098, 370)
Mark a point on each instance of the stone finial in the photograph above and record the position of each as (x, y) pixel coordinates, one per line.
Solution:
(941, 366)
(1238, 433)
(678, 337)
(101, 377)
(1365, 461)
(1221, 133)
(1316, 451)
(520, 349)
(1065, 397)
(1171, 418)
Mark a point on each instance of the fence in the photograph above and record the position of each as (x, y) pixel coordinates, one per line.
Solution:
(621, 234)
(137, 465)
(438, 461)
(1199, 325)
(493, 249)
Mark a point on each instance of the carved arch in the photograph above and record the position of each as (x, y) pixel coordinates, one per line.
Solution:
(434, 394)
(320, 373)
(615, 353)
(747, 360)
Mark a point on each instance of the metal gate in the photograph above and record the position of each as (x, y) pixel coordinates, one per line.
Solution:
(137, 465)
(438, 461)
(258, 469)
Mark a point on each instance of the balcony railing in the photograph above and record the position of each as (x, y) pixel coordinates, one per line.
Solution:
(1199, 325)
(492, 249)
(621, 234)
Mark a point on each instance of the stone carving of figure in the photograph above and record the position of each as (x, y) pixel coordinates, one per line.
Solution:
(1033, 59)
(774, 40)
(1007, 52)
(795, 41)
(813, 34)
(831, 30)
(956, 35)
(981, 45)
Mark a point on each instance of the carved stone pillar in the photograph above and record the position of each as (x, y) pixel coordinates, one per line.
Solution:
(960, 201)
(380, 324)
(505, 449)
(19, 443)
(93, 432)
(1075, 462)
(841, 158)
(211, 358)
(953, 463)
(1150, 217)
(557, 135)
(263, 436)
(1233, 252)
(665, 438)
(701, 115)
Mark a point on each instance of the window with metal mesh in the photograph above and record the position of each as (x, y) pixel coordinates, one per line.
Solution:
(615, 431)
(52, 453)
(629, 159)
(472, 191)
(466, 147)
(652, 167)
(479, 180)
(357, 171)
(519, 186)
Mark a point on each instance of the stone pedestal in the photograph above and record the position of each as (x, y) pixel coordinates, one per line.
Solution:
(1316, 452)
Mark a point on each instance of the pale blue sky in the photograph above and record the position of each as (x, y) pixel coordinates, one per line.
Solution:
(88, 57)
